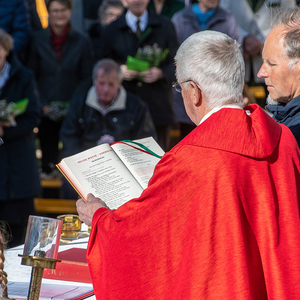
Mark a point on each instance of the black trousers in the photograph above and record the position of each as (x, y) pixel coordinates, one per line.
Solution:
(49, 143)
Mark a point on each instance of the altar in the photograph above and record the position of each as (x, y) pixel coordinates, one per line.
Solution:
(19, 275)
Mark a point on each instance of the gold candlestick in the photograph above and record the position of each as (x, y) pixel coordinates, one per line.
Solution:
(38, 264)
(40, 250)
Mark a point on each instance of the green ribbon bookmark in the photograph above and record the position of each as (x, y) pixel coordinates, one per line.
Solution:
(143, 147)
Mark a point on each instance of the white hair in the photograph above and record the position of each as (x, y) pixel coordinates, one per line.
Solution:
(214, 61)
(290, 35)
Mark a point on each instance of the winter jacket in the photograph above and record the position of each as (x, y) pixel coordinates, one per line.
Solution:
(13, 19)
(64, 79)
(120, 42)
(86, 123)
(288, 114)
(186, 23)
(19, 176)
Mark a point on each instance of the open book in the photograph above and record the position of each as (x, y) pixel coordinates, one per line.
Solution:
(115, 173)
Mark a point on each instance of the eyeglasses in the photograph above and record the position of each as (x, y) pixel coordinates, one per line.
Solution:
(178, 88)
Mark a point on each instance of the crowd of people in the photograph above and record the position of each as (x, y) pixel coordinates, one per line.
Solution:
(84, 87)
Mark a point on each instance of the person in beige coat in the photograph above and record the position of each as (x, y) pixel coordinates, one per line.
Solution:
(254, 20)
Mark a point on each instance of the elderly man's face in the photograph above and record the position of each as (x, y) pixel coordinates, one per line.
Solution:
(107, 86)
(282, 82)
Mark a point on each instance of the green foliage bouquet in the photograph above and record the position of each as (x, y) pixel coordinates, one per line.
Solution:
(152, 54)
(57, 110)
(145, 58)
(8, 111)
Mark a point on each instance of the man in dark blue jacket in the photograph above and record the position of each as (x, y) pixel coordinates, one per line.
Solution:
(281, 70)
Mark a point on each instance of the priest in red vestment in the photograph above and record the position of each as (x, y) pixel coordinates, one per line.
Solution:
(220, 217)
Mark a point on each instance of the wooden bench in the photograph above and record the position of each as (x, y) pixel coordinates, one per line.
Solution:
(55, 206)
(51, 184)
(175, 133)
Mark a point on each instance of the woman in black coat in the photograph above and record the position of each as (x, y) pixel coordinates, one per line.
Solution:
(61, 59)
(19, 178)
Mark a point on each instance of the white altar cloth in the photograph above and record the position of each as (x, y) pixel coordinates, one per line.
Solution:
(20, 273)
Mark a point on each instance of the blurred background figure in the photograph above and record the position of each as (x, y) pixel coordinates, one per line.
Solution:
(61, 59)
(203, 15)
(33, 17)
(139, 28)
(108, 12)
(19, 178)
(13, 19)
(254, 20)
(165, 8)
(84, 14)
(106, 114)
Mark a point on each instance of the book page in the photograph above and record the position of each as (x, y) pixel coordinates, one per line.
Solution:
(101, 172)
(140, 163)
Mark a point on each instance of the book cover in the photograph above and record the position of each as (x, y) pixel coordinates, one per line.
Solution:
(73, 267)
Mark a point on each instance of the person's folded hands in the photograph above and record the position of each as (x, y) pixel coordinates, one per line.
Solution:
(152, 75)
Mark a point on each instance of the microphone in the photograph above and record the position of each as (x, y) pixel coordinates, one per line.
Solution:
(1, 141)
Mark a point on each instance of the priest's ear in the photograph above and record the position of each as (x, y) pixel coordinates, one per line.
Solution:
(197, 94)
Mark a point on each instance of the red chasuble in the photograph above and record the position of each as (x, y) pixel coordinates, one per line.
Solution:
(219, 220)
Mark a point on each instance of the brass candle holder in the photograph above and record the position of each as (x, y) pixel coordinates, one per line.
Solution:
(40, 250)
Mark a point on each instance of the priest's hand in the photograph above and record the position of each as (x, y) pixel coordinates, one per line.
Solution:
(87, 209)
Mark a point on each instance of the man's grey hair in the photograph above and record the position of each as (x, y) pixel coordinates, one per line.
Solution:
(107, 65)
(290, 36)
(214, 61)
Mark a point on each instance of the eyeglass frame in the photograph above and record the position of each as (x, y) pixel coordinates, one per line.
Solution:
(177, 85)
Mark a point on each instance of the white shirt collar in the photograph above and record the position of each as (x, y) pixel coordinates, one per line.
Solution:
(119, 102)
(214, 110)
(132, 19)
